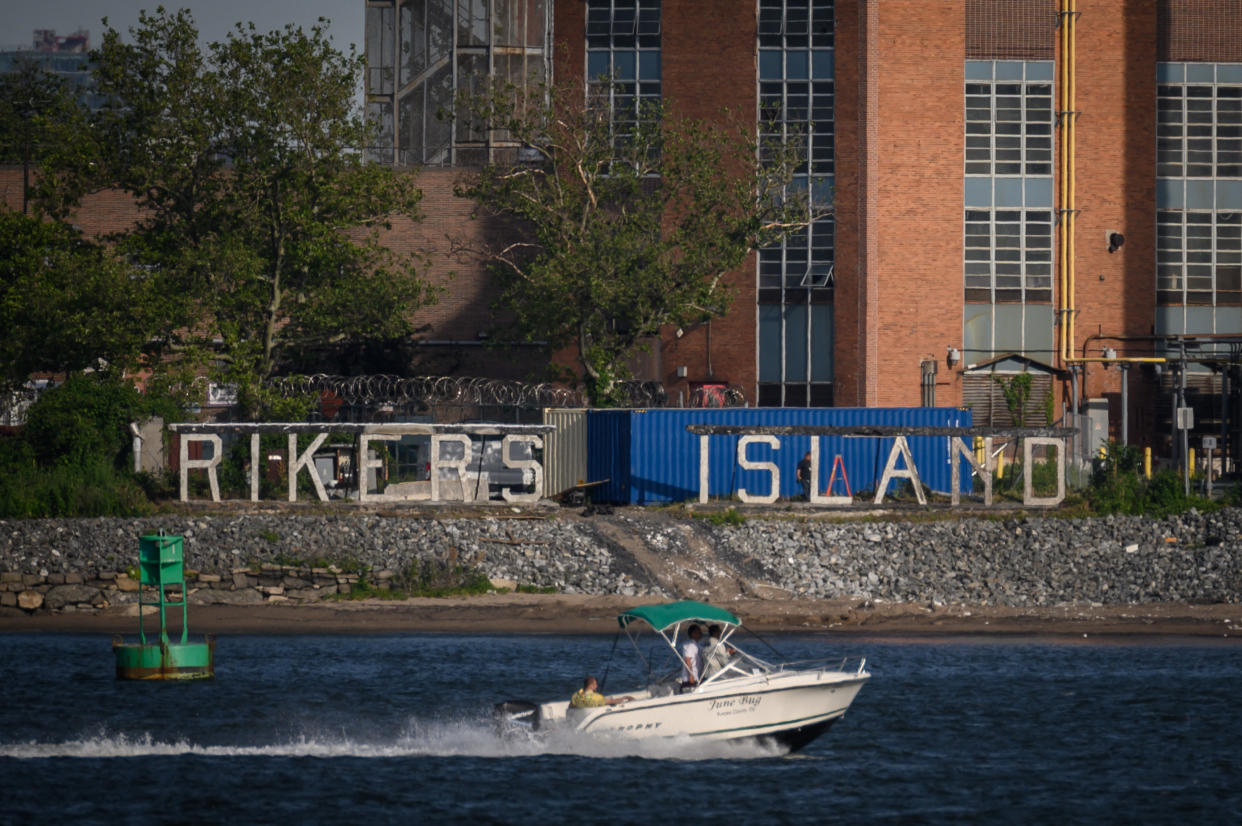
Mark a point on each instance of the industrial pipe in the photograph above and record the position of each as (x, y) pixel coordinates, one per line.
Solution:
(1067, 160)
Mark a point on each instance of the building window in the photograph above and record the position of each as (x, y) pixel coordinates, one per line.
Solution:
(1009, 117)
(1008, 219)
(1199, 198)
(796, 104)
(422, 53)
(1199, 257)
(1008, 256)
(623, 59)
(1199, 120)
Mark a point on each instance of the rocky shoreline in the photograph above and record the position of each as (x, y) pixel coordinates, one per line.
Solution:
(1021, 562)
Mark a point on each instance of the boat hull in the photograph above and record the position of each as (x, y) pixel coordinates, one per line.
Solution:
(791, 709)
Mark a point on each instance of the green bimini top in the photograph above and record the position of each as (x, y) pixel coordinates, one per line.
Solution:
(663, 616)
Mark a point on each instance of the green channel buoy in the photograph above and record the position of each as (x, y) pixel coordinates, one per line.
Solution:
(162, 570)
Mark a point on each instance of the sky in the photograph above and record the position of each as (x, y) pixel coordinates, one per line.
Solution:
(19, 18)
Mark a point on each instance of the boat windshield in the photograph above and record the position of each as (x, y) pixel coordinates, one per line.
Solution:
(720, 659)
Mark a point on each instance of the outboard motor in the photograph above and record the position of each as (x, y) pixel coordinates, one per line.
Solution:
(514, 716)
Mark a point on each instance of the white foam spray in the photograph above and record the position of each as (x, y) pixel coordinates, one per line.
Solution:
(421, 738)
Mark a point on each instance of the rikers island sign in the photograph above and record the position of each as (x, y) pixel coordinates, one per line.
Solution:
(517, 443)
(900, 464)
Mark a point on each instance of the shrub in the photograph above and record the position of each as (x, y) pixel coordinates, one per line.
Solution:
(93, 489)
(72, 456)
(1118, 486)
(88, 417)
(439, 578)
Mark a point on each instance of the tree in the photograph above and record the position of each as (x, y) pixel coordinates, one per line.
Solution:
(625, 227)
(66, 303)
(259, 214)
(44, 127)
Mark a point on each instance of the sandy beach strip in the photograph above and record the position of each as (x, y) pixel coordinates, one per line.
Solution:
(580, 614)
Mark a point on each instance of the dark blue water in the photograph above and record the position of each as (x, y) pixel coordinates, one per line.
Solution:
(393, 729)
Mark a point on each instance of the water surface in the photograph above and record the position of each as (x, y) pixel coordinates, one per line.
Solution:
(394, 729)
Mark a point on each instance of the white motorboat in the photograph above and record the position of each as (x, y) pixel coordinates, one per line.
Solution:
(746, 697)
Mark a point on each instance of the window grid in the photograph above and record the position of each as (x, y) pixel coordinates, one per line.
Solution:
(1199, 257)
(422, 53)
(1199, 157)
(796, 105)
(1009, 123)
(1008, 256)
(795, 24)
(795, 108)
(623, 47)
(1009, 218)
(1199, 125)
(803, 262)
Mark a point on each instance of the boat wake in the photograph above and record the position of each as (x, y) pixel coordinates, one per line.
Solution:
(460, 738)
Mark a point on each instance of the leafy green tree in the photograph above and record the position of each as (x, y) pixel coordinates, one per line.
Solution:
(622, 227)
(44, 127)
(66, 303)
(259, 215)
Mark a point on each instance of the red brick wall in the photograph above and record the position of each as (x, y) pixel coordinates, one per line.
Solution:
(463, 307)
(1010, 29)
(448, 238)
(1199, 30)
(914, 196)
(709, 54)
(1115, 159)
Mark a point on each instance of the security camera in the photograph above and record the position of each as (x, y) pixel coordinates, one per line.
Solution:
(1115, 240)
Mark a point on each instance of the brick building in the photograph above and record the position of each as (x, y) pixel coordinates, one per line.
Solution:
(985, 223)
(969, 186)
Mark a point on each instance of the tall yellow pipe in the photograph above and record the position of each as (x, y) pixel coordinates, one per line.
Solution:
(1062, 176)
(1072, 36)
(1067, 167)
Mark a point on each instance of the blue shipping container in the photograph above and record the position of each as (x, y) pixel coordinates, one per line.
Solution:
(648, 456)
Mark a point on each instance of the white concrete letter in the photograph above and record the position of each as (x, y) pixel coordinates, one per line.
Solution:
(506, 456)
(366, 464)
(900, 448)
(770, 467)
(958, 449)
(703, 465)
(296, 463)
(437, 462)
(816, 497)
(256, 462)
(188, 464)
(1028, 488)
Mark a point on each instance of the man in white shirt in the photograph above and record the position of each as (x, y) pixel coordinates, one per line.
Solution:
(692, 659)
(716, 654)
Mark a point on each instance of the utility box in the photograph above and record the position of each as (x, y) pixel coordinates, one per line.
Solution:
(1096, 435)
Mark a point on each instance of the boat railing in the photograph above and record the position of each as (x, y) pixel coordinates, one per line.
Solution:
(847, 665)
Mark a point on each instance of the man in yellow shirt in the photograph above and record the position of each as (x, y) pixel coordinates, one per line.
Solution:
(589, 697)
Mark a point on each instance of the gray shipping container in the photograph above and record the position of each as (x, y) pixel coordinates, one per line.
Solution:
(564, 450)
